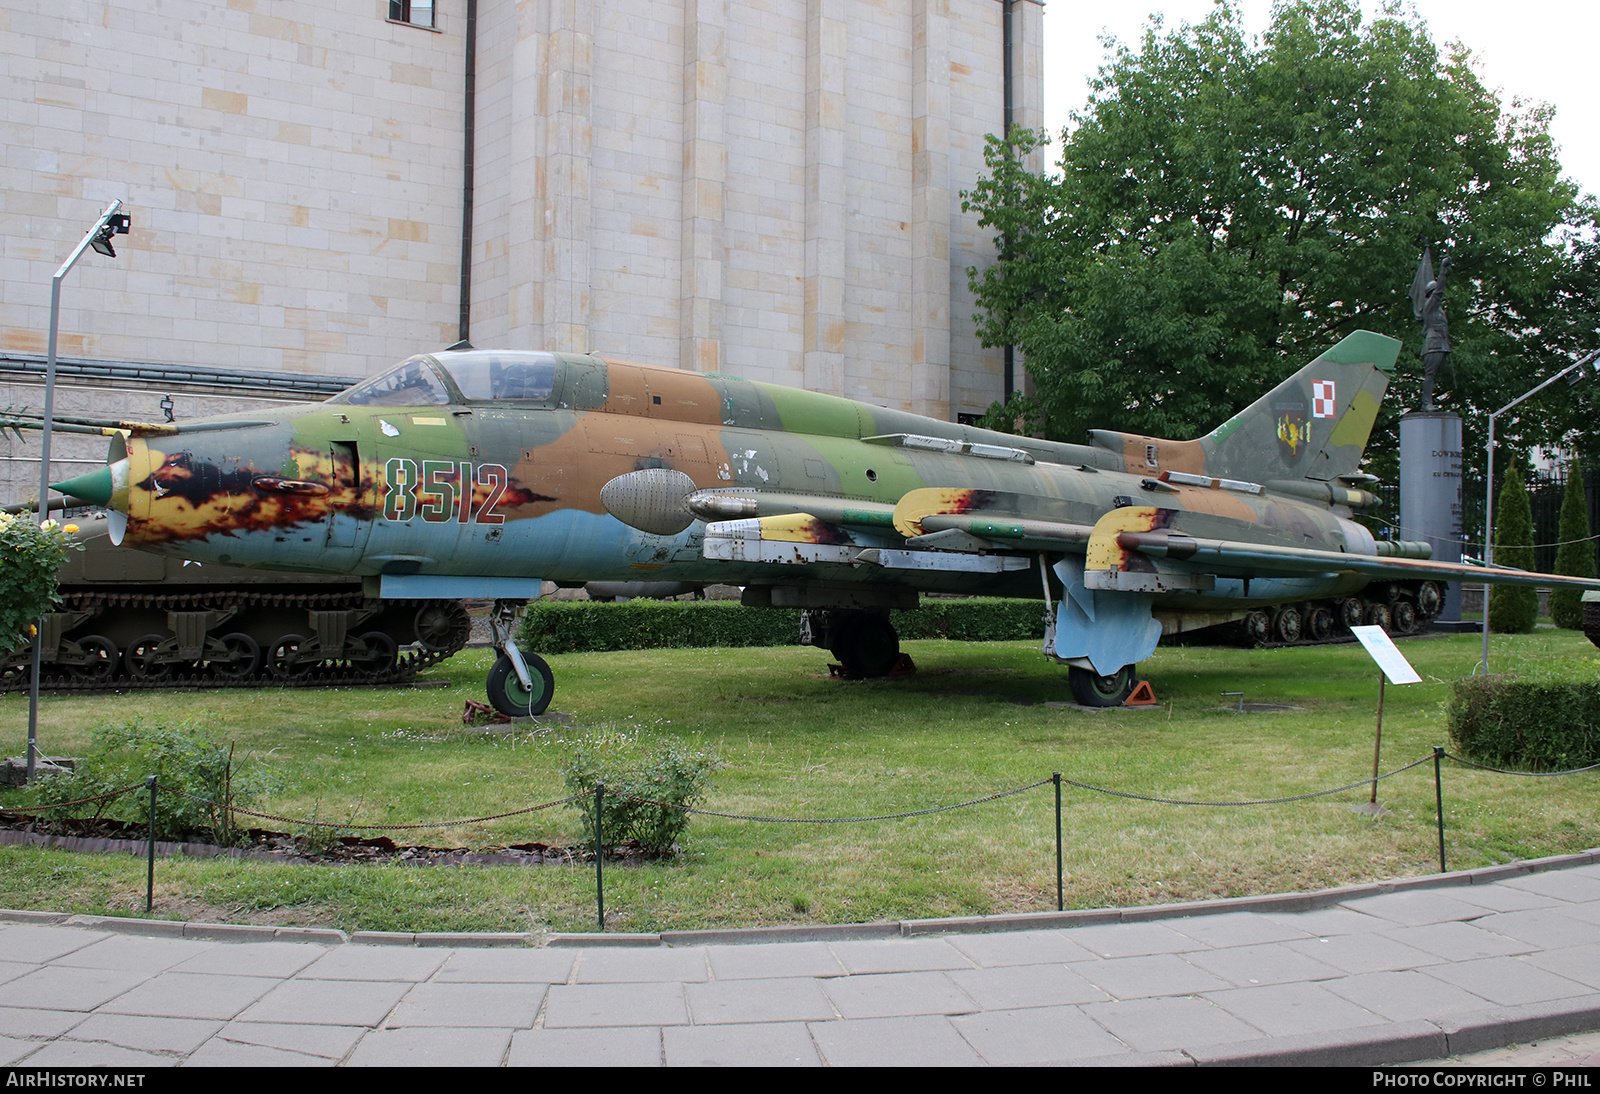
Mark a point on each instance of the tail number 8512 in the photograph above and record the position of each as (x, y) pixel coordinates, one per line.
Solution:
(435, 491)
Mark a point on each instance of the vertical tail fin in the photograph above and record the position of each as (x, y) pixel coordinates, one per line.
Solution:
(1315, 424)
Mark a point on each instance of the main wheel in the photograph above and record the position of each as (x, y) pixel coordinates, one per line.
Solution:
(1350, 611)
(1378, 616)
(1287, 625)
(140, 659)
(284, 660)
(241, 660)
(1319, 624)
(868, 646)
(509, 697)
(1093, 690)
(381, 653)
(101, 659)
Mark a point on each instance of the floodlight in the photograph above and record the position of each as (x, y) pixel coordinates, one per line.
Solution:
(114, 225)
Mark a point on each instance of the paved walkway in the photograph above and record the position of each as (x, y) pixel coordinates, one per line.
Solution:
(1416, 970)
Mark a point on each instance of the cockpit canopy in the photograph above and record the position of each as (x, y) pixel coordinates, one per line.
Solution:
(467, 376)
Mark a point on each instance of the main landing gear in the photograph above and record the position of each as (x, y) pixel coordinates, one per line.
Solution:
(1091, 689)
(865, 643)
(520, 684)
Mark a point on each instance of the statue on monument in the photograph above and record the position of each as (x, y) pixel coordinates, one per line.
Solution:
(1427, 303)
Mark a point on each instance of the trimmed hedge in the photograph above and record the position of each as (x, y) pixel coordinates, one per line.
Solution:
(1547, 719)
(572, 626)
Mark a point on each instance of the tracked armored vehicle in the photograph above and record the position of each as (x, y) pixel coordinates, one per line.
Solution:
(128, 619)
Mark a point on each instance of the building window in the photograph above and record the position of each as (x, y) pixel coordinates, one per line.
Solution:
(419, 13)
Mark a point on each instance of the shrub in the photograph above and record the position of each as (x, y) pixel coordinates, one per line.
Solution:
(183, 757)
(1513, 609)
(672, 774)
(1544, 719)
(30, 555)
(1575, 556)
(567, 626)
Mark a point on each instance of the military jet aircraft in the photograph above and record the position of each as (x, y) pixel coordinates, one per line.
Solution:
(481, 473)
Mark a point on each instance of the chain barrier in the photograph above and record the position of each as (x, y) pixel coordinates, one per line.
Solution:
(1368, 781)
(1525, 774)
(81, 801)
(997, 795)
(369, 827)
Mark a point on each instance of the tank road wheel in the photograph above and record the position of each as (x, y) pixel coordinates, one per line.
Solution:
(1377, 615)
(241, 659)
(1287, 625)
(284, 660)
(509, 697)
(1350, 611)
(1402, 617)
(141, 662)
(380, 655)
(1430, 600)
(1258, 627)
(1093, 690)
(100, 660)
(1319, 625)
(867, 646)
(442, 625)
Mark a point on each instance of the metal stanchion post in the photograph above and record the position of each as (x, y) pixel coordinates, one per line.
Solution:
(599, 861)
(150, 869)
(1060, 899)
(1438, 803)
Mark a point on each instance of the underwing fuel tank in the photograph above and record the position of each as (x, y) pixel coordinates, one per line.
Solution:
(483, 472)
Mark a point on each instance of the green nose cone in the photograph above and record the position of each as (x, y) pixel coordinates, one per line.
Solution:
(95, 488)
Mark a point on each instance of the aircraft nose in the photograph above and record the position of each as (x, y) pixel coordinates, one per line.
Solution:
(109, 485)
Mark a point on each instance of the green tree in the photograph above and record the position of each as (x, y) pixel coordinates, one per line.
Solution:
(1513, 609)
(1575, 556)
(1225, 208)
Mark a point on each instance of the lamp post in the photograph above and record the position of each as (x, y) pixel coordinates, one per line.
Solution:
(1488, 492)
(110, 223)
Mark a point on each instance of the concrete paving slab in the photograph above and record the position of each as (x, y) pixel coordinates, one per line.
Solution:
(1236, 929)
(278, 959)
(1248, 966)
(327, 1002)
(10, 970)
(897, 994)
(662, 965)
(766, 1044)
(1364, 953)
(1040, 1035)
(1415, 906)
(736, 1001)
(1508, 981)
(1142, 977)
(1544, 929)
(1457, 941)
(82, 1054)
(355, 962)
(1020, 948)
(598, 1005)
(1132, 939)
(219, 1053)
(63, 988)
(1284, 1010)
(1576, 885)
(432, 1048)
(635, 1047)
(1498, 898)
(37, 944)
(28, 1022)
(893, 1042)
(765, 961)
(500, 966)
(13, 1049)
(510, 1006)
(332, 1042)
(180, 1035)
(1179, 1022)
(1406, 995)
(899, 955)
(1011, 987)
(1580, 963)
(192, 995)
(131, 953)
(1327, 922)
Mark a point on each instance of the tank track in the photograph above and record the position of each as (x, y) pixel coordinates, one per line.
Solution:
(1399, 607)
(79, 613)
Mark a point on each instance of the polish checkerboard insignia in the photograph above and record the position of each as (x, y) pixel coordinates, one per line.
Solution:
(1323, 403)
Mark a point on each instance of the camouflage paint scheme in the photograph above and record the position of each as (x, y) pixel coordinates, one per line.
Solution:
(807, 496)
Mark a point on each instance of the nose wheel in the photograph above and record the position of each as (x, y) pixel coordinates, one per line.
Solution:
(1093, 690)
(520, 684)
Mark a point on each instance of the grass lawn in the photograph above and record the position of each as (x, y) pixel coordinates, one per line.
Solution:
(973, 720)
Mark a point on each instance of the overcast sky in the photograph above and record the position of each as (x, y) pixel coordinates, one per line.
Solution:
(1532, 50)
